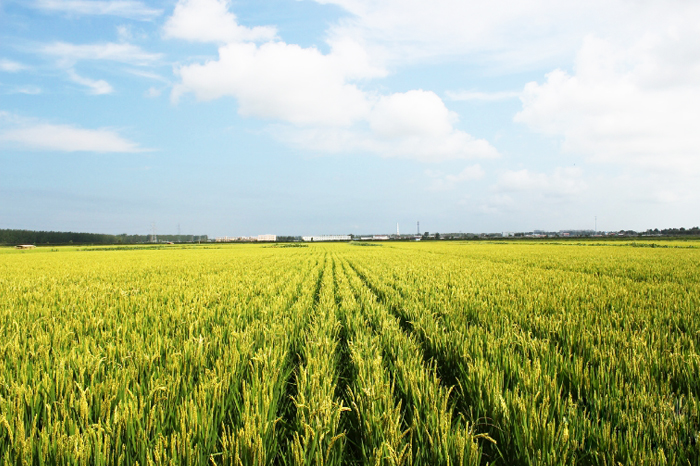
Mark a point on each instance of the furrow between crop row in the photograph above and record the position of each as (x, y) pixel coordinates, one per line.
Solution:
(318, 437)
(515, 381)
(436, 435)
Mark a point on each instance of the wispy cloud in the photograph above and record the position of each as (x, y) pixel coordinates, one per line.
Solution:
(124, 53)
(11, 66)
(66, 138)
(123, 8)
(97, 87)
(153, 92)
(29, 90)
(147, 74)
(30, 134)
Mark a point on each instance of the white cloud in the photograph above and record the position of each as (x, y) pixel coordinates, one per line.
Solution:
(11, 66)
(540, 200)
(319, 95)
(68, 54)
(147, 74)
(274, 80)
(562, 182)
(483, 96)
(124, 8)
(633, 103)
(152, 92)
(456, 145)
(67, 138)
(442, 182)
(413, 113)
(29, 90)
(504, 33)
(415, 125)
(97, 87)
(278, 81)
(211, 21)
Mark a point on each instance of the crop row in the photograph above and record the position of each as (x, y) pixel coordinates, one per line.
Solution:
(408, 354)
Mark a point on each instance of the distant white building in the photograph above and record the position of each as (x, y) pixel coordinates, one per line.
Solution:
(25, 246)
(267, 238)
(327, 238)
(380, 237)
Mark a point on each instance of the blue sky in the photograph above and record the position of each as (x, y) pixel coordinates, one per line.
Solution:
(348, 116)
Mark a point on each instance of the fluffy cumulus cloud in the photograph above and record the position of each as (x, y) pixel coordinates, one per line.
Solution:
(211, 21)
(319, 96)
(415, 125)
(123, 8)
(635, 102)
(413, 113)
(278, 81)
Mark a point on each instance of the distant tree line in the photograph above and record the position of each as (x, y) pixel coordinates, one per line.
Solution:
(13, 237)
(288, 239)
(695, 231)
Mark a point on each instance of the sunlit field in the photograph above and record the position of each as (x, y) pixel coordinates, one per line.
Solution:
(433, 353)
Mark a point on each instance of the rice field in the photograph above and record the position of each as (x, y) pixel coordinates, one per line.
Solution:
(435, 353)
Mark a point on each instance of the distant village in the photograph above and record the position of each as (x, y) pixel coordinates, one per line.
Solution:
(427, 236)
(29, 238)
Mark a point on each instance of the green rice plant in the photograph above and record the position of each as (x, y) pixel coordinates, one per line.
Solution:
(411, 353)
(533, 354)
(318, 438)
(379, 418)
(437, 437)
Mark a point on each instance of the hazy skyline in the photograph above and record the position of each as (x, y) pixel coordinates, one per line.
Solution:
(348, 116)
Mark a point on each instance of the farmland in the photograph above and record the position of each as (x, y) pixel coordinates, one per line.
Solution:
(402, 353)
